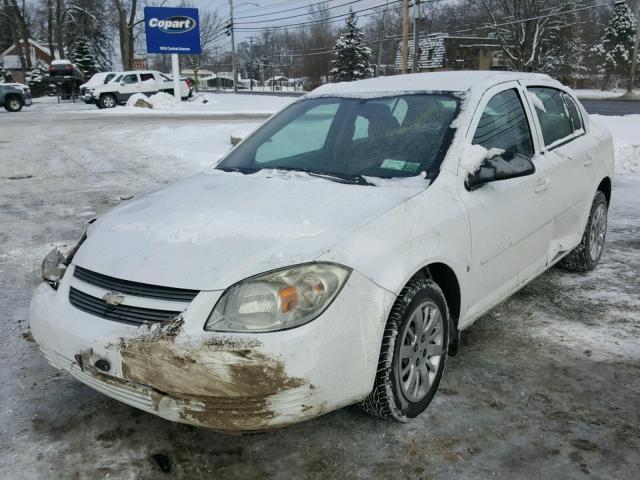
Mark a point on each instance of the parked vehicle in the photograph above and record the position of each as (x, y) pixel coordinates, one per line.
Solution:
(101, 78)
(66, 77)
(333, 256)
(14, 96)
(126, 84)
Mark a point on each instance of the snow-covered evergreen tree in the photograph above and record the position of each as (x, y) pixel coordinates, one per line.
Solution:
(351, 60)
(564, 55)
(88, 43)
(616, 45)
(81, 55)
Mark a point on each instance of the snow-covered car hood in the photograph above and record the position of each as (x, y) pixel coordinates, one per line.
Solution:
(214, 229)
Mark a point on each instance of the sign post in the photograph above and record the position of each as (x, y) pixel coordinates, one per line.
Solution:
(174, 31)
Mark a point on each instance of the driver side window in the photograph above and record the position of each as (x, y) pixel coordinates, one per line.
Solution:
(130, 79)
(504, 125)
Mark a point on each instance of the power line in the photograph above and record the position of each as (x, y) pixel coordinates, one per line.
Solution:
(290, 9)
(323, 20)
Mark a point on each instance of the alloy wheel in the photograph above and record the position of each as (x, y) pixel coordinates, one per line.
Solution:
(421, 351)
(597, 232)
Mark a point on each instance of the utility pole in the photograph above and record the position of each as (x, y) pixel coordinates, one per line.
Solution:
(416, 45)
(634, 57)
(217, 68)
(251, 63)
(382, 34)
(405, 35)
(234, 66)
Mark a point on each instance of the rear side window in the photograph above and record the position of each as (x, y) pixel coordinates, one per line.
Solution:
(146, 76)
(553, 114)
(574, 113)
(504, 125)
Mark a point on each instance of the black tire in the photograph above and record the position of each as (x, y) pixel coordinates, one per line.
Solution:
(13, 103)
(581, 259)
(107, 100)
(388, 399)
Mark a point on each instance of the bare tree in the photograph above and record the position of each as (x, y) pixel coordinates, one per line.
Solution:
(19, 31)
(210, 27)
(522, 26)
(126, 24)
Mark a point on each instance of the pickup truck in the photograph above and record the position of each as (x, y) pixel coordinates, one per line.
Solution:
(126, 84)
(14, 96)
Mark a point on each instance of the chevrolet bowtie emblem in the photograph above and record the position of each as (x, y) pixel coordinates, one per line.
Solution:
(113, 298)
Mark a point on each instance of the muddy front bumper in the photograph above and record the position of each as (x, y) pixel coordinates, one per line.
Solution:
(227, 382)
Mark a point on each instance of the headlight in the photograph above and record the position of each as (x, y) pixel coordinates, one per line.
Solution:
(278, 300)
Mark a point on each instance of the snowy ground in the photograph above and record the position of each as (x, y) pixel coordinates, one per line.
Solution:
(545, 386)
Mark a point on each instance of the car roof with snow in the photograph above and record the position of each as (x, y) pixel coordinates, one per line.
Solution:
(458, 81)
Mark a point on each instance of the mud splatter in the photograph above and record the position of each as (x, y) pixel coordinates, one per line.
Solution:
(225, 383)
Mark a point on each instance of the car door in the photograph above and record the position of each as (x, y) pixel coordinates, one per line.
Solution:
(149, 83)
(509, 223)
(129, 85)
(567, 160)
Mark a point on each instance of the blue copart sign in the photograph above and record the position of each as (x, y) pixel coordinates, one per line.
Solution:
(172, 30)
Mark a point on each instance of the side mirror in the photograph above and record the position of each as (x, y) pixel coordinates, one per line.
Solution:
(501, 167)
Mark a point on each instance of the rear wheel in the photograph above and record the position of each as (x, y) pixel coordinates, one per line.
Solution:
(108, 100)
(13, 103)
(412, 358)
(587, 255)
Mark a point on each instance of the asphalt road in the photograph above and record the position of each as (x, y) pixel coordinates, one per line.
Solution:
(545, 386)
(612, 107)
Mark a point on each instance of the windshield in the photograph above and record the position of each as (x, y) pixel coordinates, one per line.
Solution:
(394, 136)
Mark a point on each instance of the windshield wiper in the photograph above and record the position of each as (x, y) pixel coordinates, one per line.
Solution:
(352, 179)
(246, 171)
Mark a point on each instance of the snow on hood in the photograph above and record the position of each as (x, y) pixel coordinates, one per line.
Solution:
(214, 229)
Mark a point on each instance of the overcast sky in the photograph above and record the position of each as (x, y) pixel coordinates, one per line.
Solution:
(272, 10)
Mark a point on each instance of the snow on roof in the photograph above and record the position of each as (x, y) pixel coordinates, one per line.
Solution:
(32, 42)
(61, 62)
(456, 81)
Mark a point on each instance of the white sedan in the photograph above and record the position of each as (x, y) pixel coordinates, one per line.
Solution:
(334, 255)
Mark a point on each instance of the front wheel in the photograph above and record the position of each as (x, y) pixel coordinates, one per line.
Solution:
(107, 101)
(413, 353)
(586, 256)
(13, 104)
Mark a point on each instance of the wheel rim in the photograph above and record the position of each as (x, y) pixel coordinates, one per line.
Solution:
(14, 104)
(108, 102)
(421, 350)
(597, 232)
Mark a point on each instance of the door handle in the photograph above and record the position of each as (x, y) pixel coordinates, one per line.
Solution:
(588, 160)
(541, 185)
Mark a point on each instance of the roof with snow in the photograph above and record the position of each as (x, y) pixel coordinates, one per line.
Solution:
(455, 81)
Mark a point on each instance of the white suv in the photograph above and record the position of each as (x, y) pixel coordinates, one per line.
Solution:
(126, 84)
(334, 255)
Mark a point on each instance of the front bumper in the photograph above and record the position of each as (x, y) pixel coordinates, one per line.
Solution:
(27, 99)
(223, 381)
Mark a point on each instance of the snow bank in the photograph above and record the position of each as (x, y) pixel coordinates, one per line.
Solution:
(208, 104)
(159, 100)
(595, 94)
(626, 141)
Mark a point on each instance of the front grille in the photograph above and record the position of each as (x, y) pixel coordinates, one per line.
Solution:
(118, 313)
(134, 288)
